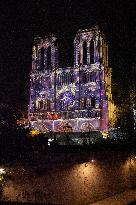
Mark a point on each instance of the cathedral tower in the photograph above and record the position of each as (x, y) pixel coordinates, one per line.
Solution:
(78, 97)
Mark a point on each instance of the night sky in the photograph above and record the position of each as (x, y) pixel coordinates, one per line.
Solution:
(20, 21)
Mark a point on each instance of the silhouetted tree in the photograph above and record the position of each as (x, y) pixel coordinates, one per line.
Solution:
(125, 98)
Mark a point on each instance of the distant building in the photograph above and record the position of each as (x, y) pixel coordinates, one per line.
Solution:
(78, 98)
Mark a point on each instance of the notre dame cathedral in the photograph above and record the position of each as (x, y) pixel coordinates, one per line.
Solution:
(73, 99)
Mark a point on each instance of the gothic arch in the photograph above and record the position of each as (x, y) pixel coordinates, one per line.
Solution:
(56, 43)
(72, 78)
(79, 56)
(62, 105)
(85, 102)
(48, 105)
(87, 76)
(42, 59)
(91, 51)
(93, 101)
(40, 104)
(49, 57)
(99, 50)
(84, 53)
(83, 76)
(63, 79)
(58, 79)
(68, 78)
(56, 53)
(93, 76)
(90, 77)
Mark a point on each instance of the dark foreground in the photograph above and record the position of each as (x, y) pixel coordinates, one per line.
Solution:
(71, 175)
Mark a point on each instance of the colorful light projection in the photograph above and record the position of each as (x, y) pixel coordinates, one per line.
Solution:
(70, 98)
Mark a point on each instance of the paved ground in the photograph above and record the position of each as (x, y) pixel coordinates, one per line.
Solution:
(63, 178)
(125, 198)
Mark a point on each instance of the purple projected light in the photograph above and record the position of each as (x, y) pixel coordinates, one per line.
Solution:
(72, 94)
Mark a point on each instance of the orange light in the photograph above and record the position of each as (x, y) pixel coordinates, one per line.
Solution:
(34, 132)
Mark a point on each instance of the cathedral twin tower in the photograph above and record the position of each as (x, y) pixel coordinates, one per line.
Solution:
(73, 99)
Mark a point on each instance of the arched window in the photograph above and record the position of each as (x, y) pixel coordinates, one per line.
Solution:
(93, 114)
(86, 77)
(48, 105)
(85, 102)
(69, 79)
(49, 57)
(40, 104)
(99, 51)
(91, 52)
(72, 78)
(62, 105)
(93, 102)
(84, 53)
(56, 43)
(45, 104)
(79, 55)
(56, 54)
(42, 59)
(65, 78)
(36, 60)
(62, 79)
(90, 77)
(93, 76)
(58, 79)
(89, 114)
(97, 114)
(83, 77)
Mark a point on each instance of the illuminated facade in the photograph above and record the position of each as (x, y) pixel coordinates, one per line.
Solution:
(72, 99)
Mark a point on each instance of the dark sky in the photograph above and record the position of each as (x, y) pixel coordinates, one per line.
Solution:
(20, 21)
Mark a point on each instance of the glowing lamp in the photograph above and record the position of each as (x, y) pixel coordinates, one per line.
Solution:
(34, 132)
(105, 135)
(2, 171)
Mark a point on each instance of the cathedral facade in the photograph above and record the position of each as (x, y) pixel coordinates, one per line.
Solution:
(73, 99)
